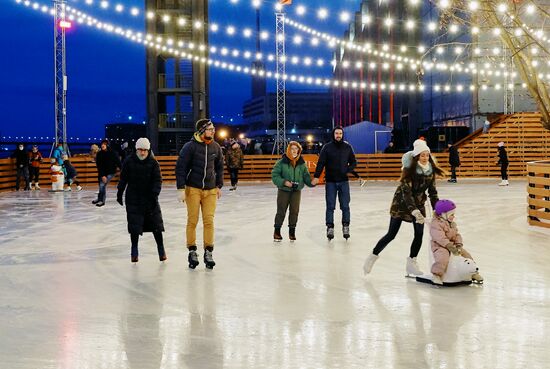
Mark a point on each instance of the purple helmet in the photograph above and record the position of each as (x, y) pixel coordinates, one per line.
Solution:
(444, 206)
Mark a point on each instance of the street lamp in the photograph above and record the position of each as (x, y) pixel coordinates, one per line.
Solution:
(222, 134)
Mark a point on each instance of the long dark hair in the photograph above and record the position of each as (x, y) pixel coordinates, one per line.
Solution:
(407, 174)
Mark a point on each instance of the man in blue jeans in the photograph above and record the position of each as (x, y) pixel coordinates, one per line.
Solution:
(107, 162)
(338, 159)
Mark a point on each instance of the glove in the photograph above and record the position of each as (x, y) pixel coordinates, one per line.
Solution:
(454, 250)
(418, 216)
(119, 198)
(181, 195)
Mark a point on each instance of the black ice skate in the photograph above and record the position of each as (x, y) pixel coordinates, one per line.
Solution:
(292, 234)
(208, 261)
(345, 231)
(277, 235)
(193, 259)
(330, 232)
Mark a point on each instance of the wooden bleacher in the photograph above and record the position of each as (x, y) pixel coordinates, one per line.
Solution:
(526, 140)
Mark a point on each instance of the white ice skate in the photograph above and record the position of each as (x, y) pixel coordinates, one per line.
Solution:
(504, 182)
(369, 262)
(412, 268)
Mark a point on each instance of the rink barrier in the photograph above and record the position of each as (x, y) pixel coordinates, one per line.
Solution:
(258, 167)
(538, 190)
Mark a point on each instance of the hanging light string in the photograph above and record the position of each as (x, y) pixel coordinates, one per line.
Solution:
(300, 79)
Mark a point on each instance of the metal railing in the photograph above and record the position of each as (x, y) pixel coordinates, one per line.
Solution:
(176, 120)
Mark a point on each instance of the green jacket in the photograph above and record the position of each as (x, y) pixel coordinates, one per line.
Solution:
(284, 171)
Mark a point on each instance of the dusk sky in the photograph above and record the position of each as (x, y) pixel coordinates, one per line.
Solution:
(107, 72)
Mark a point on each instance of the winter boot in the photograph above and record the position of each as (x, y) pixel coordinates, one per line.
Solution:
(477, 278)
(193, 259)
(345, 231)
(292, 233)
(369, 262)
(277, 234)
(134, 254)
(330, 231)
(412, 267)
(208, 261)
(161, 252)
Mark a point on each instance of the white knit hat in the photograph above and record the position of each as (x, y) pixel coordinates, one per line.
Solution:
(500, 144)
(419, 146)
(143, 143)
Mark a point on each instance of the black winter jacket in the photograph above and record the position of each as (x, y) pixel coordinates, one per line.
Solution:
(107, 162)
(143, 182)
(21, 158)
(454, 158)
(200, 165)
(338, 159)
(502, 156)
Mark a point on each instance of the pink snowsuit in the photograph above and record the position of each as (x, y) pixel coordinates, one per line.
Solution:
(444, 235)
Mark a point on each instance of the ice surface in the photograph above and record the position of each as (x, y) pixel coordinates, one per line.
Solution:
(70, 298)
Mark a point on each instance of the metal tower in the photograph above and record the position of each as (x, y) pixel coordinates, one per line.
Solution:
(60, 24)
(280, 140)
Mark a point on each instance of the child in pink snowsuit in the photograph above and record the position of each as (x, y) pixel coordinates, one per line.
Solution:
(446, 240)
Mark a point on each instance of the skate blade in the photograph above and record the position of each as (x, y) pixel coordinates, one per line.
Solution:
(277, 240)
(477, 282)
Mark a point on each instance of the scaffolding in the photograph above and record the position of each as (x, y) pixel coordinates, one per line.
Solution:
(280, 140)
(60, 24)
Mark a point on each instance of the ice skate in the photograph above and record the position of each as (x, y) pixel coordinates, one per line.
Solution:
(36, 186)
(208, 261)
(369, 262)
(437, 280)
(99, 204)
(412, 268)
(277, 235)
(477, 278)
(362, 182)
(292, 234)
(68, 189)
(135, 259)
(330, 232)
(79, 188)
(345, 231)
(233, 188)
(193, 259)
(504, 182)
(95, 201)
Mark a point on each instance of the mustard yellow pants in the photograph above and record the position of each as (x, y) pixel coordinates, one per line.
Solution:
(205, 202)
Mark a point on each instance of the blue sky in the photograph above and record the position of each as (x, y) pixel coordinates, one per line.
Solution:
(107, 73)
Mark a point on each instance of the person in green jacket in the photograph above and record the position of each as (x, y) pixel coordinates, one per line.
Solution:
(289, 174)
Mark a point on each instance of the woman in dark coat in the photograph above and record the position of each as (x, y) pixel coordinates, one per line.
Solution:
(141, 178)
(503, 162)
(418, 176)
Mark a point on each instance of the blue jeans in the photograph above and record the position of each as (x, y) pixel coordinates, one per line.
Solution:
(340, 189)
(103, 187)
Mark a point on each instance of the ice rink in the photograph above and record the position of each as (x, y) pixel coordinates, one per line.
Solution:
(71, 299)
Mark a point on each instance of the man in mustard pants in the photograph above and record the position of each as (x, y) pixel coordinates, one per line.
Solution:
(199, 179)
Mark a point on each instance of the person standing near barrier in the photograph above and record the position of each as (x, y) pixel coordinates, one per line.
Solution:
(35, 159)
(234, 159)
(21, 166)
(107, 162)
(199, 179)
(503, 162)
(454, 161)
(140, 177)
(338, 159)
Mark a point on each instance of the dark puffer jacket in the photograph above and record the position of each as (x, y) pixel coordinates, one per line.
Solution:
(143, 182)
(200, 165)
(107, 162)
(502, 156)
(338, 159)
(21, 158)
